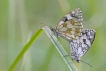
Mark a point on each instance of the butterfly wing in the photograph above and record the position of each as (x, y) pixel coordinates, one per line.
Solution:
(81, 45)
(71, 24)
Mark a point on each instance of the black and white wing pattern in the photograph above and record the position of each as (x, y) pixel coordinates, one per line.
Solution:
(82, 44)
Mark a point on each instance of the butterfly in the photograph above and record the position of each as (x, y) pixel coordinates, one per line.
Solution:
(82, 44)
(70, 25)
(70, 28)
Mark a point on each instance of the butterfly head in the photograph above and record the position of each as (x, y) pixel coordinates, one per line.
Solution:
(52, 29)
(55, 31)
(76, 58)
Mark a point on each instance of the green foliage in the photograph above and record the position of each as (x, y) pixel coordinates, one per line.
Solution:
(18, 17)
(25, 48)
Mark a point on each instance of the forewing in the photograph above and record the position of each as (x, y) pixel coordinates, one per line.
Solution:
(81, 45)
(71, 24)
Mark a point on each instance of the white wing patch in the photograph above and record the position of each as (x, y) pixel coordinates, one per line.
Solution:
(81, 45)
(68, 16)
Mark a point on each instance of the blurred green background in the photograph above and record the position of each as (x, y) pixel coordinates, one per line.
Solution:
(20, 19)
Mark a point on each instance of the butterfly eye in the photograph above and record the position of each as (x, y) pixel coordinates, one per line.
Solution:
(77, 61)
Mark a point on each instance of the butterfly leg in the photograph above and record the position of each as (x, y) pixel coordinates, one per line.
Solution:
(66, 55)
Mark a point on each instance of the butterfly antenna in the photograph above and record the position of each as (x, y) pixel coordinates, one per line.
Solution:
(86, 63)
(45, 25)
(48, 26)
(42, 25)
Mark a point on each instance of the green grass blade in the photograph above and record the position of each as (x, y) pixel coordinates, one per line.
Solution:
(25, 48)
(60, 49)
